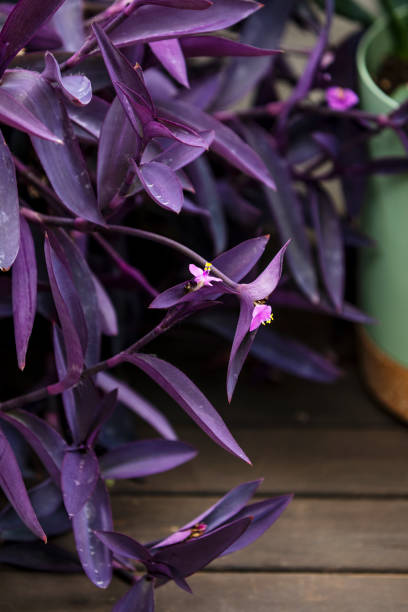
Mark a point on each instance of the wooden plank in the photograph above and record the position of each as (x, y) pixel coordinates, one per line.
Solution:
(225, 592)
(318, 534)
(312, 461)
(288, 593)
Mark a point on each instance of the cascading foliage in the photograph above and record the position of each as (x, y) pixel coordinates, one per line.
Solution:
(135, 173)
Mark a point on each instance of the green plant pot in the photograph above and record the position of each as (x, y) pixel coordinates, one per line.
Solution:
(383, 270)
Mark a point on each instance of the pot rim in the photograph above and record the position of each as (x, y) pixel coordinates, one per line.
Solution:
(364, 45)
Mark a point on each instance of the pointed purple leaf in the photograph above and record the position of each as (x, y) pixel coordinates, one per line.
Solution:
(83, 280)
(263, 515)
(63, 163)
(118, 143)
(89, 118)
(195, 5)
(329, 245)
(191, 556)
(95, 515)
(24, 292)
(9, 213)
(68, 22)
(178, 155)
(140, 598)
(242, 342)
(73, 348)
(75, 87)
(138, 404)
(226, 143)
(162, 185)
(285, 208)
(79, 475)
(190, 398)
(123, 545)
(208, 197)
(145, 457)
(170, 55)
(106, 409)
(46, 442)
(151, 23)
(215, 46)
(108, 318)
(120, 69)
(242, 75)
(21, 24)
(18, 116)
(268, 280)
(11, 481)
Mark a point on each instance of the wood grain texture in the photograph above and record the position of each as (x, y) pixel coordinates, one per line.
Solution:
(318, 534)
(312, 461)
(225, 592)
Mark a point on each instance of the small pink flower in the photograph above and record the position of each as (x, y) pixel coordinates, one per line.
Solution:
(202, 277)
(261, 315)
(340, 98)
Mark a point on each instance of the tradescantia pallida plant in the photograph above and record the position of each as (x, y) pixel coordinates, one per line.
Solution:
(124, 126)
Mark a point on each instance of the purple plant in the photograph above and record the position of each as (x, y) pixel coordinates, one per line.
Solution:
(109, 100)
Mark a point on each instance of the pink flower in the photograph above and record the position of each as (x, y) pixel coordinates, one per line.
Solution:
(340, 98)
(202, 277)
(261, 315)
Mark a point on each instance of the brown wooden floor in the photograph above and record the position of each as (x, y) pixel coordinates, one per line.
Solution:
(341, 546)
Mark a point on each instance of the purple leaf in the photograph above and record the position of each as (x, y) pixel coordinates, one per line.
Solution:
(124, 546)
(47, 504)
(79, 475)
(195, 5)
(63, 163)
(265, 29)
(178, 155)
(17, 115)
(9, 213)
(145, 457)
(83, 280)
(89, 119)
(151, 23)
(208, 198)
(24, 292)
(307, 78)
(329, 245)
(268, 280)
(13, 486)
(190, 398)
(21, 24)
(235, 263)
(108, 318)
(285, 208)
(105, 410)
(170, 55)
(191, 556)
(290, 299)
(73, 348)
(138, 404)
(68, 22)
(226, 143)
(263, 515)
(95, 515)
(226, 508)
(120, 69)
(162, 185)
(215, 46)
(76, 88)
(140, 598)
(293, 357)
(46, 442)
(118, 143)
(242, 342)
